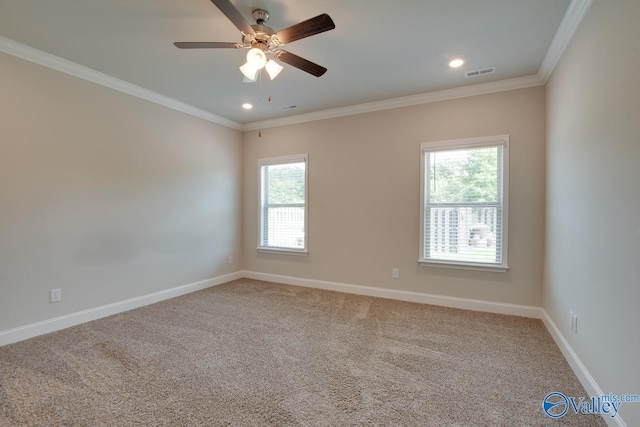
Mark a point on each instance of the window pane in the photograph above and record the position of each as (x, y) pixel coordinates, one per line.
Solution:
(463, 175)
(285, 227)
(464, 233)
(282, 205)
(286, 183)
(463, 211)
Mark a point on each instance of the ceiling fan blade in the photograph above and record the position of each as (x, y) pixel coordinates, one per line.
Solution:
(310, 27)
(207, 45)
(234, 15)
(301, 63)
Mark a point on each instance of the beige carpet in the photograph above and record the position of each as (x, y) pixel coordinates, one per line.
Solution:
(252, 353)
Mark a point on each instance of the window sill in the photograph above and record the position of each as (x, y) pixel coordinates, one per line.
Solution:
(283, 251)
(463, 265)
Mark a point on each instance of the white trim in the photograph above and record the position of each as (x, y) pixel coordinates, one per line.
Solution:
(51, 325)
(454, 144)
(73, 319)
(54, 62)
(570, 22)
(296, 158)
(418, 297)
(62, 322)
(506, 160)
(588, 382)
(283, 251)
(496, 268)
(405, 101)
(573, 17)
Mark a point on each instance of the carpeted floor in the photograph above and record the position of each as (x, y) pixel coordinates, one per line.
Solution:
(252, 353)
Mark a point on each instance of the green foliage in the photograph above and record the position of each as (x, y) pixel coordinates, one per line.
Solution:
(464, 176)
(286, 183)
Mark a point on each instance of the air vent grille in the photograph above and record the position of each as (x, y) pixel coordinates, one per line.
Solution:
(288, 107)
(481, 72)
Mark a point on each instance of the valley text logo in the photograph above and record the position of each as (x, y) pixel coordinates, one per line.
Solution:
(556, 404)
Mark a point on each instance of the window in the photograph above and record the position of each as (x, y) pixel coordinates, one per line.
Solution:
(464, 203)
(283, 204)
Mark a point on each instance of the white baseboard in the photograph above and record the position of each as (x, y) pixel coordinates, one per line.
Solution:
(419, 297)
(51, 325)
(73, 319)
(588, 382)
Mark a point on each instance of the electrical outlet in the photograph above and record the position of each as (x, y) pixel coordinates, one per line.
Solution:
(55, 295)
(395, 273)
(230, 259)
(573, 321)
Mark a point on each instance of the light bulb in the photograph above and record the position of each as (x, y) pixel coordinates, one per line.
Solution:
(456, 63)
(273, 68)
(256, 58)
(249, 71)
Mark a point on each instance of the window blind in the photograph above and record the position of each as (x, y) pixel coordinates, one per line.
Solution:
(464, 212)
(283, 204)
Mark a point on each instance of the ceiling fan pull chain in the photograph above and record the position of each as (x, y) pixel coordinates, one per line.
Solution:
(260, 104)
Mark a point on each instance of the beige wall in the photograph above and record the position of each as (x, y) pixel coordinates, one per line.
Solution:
(593, 197)
(106, 196)
(364, 195)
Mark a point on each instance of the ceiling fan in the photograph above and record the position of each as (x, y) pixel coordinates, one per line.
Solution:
(262, 41)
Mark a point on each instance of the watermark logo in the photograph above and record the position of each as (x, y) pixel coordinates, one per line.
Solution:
(556, 404)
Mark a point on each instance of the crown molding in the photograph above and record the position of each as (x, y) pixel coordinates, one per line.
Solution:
(573, 17)
(405, 101)
(570, 22)
(54, 62)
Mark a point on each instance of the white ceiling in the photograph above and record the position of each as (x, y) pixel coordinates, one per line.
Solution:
(379, 49)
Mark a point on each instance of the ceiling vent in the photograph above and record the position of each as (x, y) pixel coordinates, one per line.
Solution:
(481, 72)
(288, 107)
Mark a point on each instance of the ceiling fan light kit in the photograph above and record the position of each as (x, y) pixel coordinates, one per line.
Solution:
(273, 68)
(256, 60)
(262, 41)
(250, 72)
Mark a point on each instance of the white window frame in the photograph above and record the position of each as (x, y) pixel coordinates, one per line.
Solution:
(468, 143)
(283, 161)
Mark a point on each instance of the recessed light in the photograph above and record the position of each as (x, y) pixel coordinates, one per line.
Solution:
(247, 106)
(456, 63)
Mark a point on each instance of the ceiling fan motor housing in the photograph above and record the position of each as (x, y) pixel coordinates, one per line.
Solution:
(261, 16)
(263, 38)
